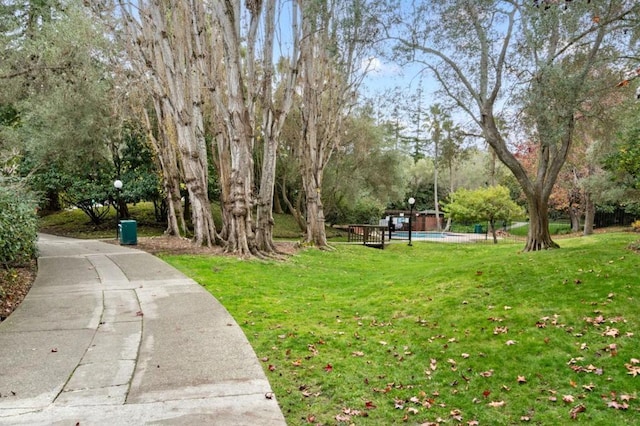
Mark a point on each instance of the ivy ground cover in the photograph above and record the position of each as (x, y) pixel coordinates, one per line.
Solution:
(440, 334)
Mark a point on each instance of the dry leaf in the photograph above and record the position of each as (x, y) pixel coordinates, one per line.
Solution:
(577, 409)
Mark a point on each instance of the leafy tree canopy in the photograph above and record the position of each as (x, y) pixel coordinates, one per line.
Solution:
(489, 204)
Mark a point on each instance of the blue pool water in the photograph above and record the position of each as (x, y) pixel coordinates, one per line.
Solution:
(418, 234)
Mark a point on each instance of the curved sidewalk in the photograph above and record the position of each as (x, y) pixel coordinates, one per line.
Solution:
(109, 335)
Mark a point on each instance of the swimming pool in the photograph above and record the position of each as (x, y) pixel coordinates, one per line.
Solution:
(417, 234)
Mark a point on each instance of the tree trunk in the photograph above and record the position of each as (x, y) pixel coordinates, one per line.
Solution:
(295, 211)
(574, 216)
(492, 225)
(167, 52)
(272, 123)
(316, 233)
(52, 201)
(277, 204)
(265, 222)
(164, 146)
(589, 214)
(435, 194)
(232, 78)
(539, 237)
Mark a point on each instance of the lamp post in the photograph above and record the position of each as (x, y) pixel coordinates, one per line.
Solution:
(117, 184)
(412, 201)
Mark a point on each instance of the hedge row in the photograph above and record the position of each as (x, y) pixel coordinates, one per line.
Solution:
(18, 227)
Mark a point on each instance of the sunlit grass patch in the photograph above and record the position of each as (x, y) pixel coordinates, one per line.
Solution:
(442, 333)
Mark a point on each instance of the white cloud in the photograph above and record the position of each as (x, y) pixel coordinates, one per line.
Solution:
(376, 67)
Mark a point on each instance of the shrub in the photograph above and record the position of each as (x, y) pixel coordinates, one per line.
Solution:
(365, 210)
(18, 227)
(636, 226)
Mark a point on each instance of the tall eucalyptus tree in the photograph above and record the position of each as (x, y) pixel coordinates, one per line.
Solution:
(246, 85)
(336, 36)
(164, 48)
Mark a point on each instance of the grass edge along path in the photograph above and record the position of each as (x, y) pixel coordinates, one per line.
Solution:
(442, 334)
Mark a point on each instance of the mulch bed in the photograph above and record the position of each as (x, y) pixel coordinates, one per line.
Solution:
(14, 286)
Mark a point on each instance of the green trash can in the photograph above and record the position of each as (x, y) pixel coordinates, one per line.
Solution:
(128, 232)
(478, 229)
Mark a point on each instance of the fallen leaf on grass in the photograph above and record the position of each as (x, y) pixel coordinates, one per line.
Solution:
(618, 406)
(568, 399)
(521, 379)
(357, 354)
(577, 409)
(497, 404)
(510, 342)
(488, 373)
(328, 368)
(633, 370)
(433, 365)
(398, 404)
(612, 349)
(501, 330)
(456, 415)
(343, 418)
(369, 405)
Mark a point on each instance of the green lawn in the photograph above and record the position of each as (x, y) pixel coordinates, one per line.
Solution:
(442, 334)
(555, 228)
(74, 223)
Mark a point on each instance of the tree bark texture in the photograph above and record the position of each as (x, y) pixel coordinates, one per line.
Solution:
(273, 118)
(589, 214)
(168, 51)
(234, 99)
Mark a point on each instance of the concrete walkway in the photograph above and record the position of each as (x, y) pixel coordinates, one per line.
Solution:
(109, 335)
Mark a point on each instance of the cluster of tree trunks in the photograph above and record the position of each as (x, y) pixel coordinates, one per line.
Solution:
(207, 72)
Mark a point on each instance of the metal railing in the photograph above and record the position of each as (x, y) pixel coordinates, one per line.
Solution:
(369, 235)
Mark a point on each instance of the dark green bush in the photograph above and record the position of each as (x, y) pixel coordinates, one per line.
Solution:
(18, 227)
(365, 210)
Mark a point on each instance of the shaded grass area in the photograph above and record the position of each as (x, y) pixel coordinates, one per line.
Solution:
(439, 333)
(74, 223)
(555, 228)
